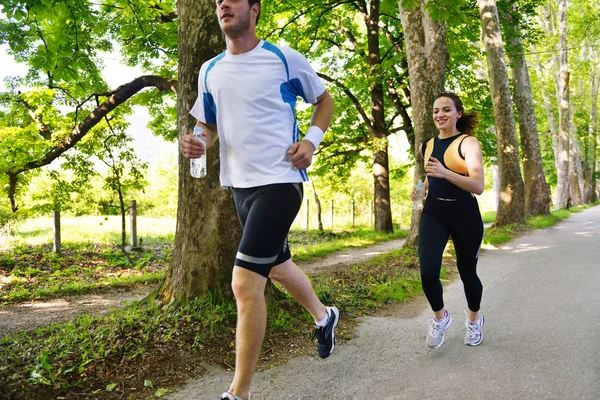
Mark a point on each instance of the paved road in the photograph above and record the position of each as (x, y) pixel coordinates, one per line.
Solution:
(541, 302)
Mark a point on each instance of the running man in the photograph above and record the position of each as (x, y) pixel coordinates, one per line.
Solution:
(246, 98)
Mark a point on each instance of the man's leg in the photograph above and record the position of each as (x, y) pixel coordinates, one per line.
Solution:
(249, 290)
(295, 281)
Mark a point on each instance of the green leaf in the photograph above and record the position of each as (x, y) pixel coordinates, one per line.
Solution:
(148, 383)
(161, 392)
(110, 387)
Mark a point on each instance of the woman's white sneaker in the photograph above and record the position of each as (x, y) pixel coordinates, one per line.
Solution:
(435, 334)
(474, 336)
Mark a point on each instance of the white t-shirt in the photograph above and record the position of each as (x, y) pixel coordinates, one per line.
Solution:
(251, 97)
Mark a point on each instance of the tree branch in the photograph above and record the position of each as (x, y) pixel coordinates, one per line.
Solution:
(354, 100)
(116, 97)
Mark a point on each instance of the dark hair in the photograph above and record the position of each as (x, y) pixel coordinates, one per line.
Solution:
(468, 121)
(253, 2)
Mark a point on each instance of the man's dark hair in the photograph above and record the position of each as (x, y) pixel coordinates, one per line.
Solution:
(251, 3)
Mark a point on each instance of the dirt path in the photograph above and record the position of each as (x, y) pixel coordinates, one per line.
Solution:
(349, 256)
(34, 314)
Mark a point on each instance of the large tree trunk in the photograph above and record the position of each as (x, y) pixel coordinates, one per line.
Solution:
(207, 231)
(537, 191)
(381, 181)
(564, 134)
(512, 192)
(427, 57)
(593, 136)
(381, 178)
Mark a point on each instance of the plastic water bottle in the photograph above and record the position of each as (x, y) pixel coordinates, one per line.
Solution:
(198, 165)
(419, 192)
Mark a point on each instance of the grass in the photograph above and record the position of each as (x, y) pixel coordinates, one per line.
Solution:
(123, 350)
(91, 261)
(498, 235)
(94, 229)
(35, 272)
(311, 244)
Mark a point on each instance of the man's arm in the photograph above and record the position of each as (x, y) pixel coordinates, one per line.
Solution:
(302, 152)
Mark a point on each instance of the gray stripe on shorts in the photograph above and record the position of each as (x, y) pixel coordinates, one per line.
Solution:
(255, 260)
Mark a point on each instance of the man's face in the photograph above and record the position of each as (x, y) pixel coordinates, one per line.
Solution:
(235, 16)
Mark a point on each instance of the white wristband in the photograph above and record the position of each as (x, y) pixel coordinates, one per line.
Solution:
(314, 134)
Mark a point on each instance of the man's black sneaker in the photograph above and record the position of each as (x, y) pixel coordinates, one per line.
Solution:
(326, 334)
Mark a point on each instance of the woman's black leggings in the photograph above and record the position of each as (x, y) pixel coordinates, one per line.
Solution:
(460, 220)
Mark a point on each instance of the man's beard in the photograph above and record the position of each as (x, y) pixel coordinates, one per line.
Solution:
(240, 29)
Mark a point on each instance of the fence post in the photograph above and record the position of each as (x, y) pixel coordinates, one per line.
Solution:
(370, 213)
(331, 214)
(57, 243)
(133, 224)
(352, 212)
(307, 213)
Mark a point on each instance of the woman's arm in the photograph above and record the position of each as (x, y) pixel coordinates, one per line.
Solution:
(472, 183)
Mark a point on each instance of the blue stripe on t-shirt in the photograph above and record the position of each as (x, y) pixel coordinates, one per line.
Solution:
(290, 91)
(272, 48)
(210, 107)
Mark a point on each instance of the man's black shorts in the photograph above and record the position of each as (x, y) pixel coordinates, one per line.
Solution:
(266, 214)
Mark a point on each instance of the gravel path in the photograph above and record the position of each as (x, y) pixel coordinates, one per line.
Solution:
(542, 341)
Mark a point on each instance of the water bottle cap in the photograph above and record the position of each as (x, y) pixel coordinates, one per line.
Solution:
(197, 129)
(420, 184)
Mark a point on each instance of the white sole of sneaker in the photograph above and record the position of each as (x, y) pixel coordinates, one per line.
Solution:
(336, 313)
(443, 337)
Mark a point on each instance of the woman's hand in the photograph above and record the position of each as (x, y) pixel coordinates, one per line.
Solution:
(435, 168)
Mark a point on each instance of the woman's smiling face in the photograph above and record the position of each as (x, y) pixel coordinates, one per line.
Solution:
(445, 114)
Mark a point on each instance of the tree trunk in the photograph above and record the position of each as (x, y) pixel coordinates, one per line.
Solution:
(593, 136)
(537, 191)
(575, 163)
(550, 112)
(511, 208)
(208, 231)
(427, 57)
(564, 134)
(381, 178)
(381, 181)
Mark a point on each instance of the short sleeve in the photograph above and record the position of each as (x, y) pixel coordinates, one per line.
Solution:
(303, 77)
(204, 109)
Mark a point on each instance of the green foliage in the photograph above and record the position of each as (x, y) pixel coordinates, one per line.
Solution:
(32, 273)
(62, 45)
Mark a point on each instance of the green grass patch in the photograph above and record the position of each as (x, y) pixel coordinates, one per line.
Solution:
(488, 217)
(93, 229)
(498, 235)
(35, 272)
(87, 351)
(311, 244)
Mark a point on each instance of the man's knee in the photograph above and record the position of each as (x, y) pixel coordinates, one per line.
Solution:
(247, 287)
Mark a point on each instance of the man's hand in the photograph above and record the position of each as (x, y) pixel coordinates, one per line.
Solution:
(192, 148)
(301, 154)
